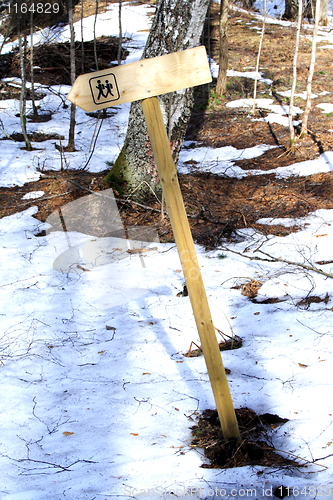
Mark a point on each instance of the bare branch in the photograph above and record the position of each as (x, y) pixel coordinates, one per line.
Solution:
(272, 258)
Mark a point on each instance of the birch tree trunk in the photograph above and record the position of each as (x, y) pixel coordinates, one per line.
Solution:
(82, 39)
(258, 57)
(306, 113)
(223, 55)
(293, 87)
(23, 53)
(323, 16)
(32, 75)
(120, 43)
(71, 136)
(177, 25)
(95, 41)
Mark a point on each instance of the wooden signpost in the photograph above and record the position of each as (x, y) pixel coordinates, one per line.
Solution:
(144, 80)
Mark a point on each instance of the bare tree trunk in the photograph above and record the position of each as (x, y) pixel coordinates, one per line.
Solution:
(293, 87)
(95, 45)
(71, 136)
(306, 113)
(23, 52)
(32, 76)
(223, 55)
(258, 56)
(120, 43)
(290, 10)
(323, 17)
(177, 26)
(82, 41)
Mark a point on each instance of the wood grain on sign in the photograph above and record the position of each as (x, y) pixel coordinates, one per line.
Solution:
(141, 79)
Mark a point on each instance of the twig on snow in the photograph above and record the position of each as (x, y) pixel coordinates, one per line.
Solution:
(272, 258)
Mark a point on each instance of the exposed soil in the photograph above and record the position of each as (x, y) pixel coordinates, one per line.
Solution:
(218, 206)
(255, 447)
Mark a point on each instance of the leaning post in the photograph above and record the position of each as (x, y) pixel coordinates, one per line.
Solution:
(144, 80)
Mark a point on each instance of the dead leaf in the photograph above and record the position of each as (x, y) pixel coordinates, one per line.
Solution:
(82, 268)
(320, 235)
(134, 434)
(67, 433)
(146, 373)
(302, 366)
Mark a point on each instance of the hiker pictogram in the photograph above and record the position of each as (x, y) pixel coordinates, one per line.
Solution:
(104, 89)
(101, 87)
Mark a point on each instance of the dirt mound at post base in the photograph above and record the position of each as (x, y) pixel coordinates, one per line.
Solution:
(254, 448)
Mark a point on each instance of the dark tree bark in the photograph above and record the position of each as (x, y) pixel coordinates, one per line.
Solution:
(120, 43)
(32, 75)
(291, 10)
(23, 63)
(223, 54)
(71, 136)
(177, 26)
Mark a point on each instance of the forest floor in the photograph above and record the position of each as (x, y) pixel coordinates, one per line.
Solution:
(219, 205)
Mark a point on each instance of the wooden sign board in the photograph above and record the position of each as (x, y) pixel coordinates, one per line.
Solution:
(141, 79)
(144, 80)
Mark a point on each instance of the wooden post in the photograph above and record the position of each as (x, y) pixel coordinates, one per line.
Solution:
(144, 80)
(183, 237)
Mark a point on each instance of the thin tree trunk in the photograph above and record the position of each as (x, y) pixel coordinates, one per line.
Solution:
(223, 55)
(32, 76)
(177, 25)
(82, 42)
(71, 136)
(291, 10)
(306, 113)
(95, 44)
(120, 43)
(258, 57)
(23, 51)
(323, 18)
(293, 87)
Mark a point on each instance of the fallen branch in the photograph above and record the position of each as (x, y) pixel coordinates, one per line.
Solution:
(48, 465)
(278, 259)
(299, 264)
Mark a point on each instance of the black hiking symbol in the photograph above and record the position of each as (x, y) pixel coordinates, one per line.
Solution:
(104, 88)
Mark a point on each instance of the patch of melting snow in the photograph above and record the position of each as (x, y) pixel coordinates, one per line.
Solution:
(302, 95)
(218, 160)
(214, 68)
(327, 107)
(33, 195)
(222, 161)
(278, 112)
(264, 104)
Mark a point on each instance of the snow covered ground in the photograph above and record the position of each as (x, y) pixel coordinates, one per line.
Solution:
(97, 396)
